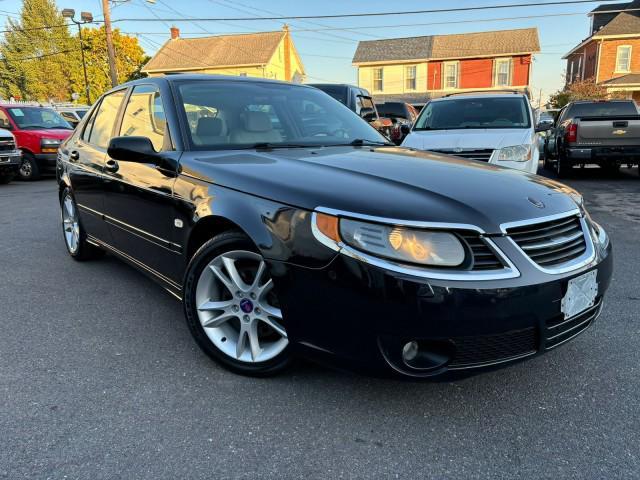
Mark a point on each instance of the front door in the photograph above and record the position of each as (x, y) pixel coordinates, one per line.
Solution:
(139, 196)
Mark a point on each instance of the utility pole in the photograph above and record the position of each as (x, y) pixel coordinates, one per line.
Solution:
(540, 100)
(86, 17)
(113, 73)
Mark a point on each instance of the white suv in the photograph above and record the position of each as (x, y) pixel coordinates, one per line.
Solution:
(498, 128)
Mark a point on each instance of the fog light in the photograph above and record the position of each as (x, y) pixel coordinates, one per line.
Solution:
(410, 351)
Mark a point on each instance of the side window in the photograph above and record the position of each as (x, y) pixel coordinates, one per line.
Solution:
(86, 133)
(144, 116)
(4, 120)
(68, 116)
(105, 119)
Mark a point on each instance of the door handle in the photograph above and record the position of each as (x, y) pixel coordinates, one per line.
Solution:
(74, 155)
(111, 166)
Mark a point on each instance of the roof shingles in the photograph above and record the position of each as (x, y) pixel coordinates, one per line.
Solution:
(215, 52)
(464, 45)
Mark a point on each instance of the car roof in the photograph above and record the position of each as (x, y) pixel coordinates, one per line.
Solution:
(478, 95)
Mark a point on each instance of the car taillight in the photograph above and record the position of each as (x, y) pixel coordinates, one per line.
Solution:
(571, 134)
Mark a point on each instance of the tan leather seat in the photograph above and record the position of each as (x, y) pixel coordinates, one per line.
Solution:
(256, 128)
(210, 132)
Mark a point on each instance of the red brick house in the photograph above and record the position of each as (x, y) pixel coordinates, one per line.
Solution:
(417, 68)
(610, 56)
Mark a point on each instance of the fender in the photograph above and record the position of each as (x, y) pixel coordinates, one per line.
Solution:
(281, 232)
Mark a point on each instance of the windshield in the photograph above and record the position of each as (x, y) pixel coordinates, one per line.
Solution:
(228, 115)
(30, 118)
(601, 109)
(460, 113)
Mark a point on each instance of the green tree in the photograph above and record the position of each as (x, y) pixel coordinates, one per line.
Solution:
(130, 58)
(35, 53)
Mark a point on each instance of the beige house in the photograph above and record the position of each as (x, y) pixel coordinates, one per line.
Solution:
(265, 55)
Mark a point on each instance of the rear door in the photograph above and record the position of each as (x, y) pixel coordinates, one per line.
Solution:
(139, 196)
(85, 157)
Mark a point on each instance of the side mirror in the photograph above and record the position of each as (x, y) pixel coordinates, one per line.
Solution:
(543, 127)
(133, 149)
(369, 114)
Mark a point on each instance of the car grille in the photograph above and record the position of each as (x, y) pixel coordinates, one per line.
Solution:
(471, 154)
(481, 350)
(7, 146)
(551, 243)
(559, 330)
(483, 256)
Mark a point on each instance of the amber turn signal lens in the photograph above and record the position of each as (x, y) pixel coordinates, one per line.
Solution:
(328, 225)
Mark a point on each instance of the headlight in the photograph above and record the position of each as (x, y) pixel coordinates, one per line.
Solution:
(402, 244)
(50, 142)
(515, 153)
(600, 236)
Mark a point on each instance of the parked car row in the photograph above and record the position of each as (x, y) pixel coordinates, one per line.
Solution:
(289, 227)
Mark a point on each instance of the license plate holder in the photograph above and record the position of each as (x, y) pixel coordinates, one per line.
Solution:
(581, 294)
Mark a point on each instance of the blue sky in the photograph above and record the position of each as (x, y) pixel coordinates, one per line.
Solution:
(327, 54)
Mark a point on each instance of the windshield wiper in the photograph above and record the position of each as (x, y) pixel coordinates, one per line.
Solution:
(270, 146)
(359, 142)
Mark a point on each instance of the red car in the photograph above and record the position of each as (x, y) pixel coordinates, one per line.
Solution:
(39, 131)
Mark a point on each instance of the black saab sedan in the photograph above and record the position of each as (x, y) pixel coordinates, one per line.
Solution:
(288, 226)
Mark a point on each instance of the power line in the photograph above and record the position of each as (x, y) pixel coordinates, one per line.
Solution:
(375, 14)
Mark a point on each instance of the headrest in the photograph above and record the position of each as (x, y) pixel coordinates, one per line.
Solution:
(257, 122)
(209, 127)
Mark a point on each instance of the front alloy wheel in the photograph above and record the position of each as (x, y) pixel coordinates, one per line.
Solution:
(232, 308)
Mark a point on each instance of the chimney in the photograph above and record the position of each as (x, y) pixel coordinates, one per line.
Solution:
(175, 32)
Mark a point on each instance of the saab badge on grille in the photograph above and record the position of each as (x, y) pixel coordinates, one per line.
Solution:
(535, 203)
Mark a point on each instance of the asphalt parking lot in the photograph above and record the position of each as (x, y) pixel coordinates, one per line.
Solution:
(99, 378)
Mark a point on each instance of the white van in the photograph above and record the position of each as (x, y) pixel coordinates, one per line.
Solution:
(498, 128)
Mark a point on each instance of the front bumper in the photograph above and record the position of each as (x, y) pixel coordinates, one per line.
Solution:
(10, 162)
(360, 316)
(46, 161)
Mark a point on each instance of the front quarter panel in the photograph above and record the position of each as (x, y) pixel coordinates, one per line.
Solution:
(281, 232)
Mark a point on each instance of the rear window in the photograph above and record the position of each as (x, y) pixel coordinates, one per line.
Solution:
(601, 109)
(337, 92)
(392, 110)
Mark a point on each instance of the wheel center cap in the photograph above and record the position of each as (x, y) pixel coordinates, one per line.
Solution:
(246, 305)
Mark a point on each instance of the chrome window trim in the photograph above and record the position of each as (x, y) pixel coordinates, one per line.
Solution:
(586, 258)
(510, 271)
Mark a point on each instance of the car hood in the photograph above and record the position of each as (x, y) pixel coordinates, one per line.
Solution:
(389, 182)
(49, 133)
(488, 138)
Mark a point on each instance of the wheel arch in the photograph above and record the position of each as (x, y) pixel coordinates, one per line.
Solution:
(207, 228)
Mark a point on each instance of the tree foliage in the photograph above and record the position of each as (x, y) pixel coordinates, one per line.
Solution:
(34, 57)
(130, 58)
(40, 59)
(580, 90)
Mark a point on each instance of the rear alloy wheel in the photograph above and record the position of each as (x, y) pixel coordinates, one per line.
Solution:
(74, 235)
(29, 168)
(232, 308)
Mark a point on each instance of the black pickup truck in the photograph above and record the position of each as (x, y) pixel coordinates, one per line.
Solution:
(604, 133)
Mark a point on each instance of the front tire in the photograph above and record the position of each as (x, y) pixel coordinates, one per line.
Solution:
(232, 309)
(4, 179)
(29, 169)
(75, 238)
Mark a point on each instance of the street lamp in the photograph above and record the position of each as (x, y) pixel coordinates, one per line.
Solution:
(85, 17)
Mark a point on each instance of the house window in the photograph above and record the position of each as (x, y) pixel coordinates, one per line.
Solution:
(623, 58)
(451, 75)
(378, 79)
(503, 72)
(410, 78)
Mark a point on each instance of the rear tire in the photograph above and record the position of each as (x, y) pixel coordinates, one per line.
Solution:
(75, 238)
(231, 307)
(29, 169)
